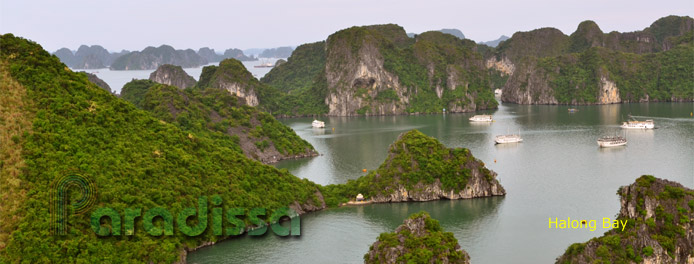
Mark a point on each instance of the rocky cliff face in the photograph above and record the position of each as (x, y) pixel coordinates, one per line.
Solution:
(88, 57)
(378, 70)
(528, 84)
(590, 67)
(237, 54)
(210, 55)
(608, 92)
(415, 234)
(355, 76)
(233, 77)
(419, 168)
(96, 80)
(172, 75)
(151, 58)
(661, 213)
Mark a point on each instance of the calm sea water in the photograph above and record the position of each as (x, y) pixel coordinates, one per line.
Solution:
(557, 172)
(116, 79)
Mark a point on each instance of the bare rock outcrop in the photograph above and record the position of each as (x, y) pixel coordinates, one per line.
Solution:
(660, 227)
(172, 75)
(419, 168)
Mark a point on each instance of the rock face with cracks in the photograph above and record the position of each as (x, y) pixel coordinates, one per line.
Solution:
(659, 229)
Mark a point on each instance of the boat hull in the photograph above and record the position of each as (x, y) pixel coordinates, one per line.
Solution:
(648, 124)
(611, 144)
(507, 140)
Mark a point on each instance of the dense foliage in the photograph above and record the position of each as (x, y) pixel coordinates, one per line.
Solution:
(413, 158)
(212, 112)
(135, 159)
(654, 64)
(419, 240)
(662, 76)
(644, 235)
(303, 86)
(299, 84)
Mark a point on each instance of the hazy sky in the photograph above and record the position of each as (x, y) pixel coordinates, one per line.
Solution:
(135, 24)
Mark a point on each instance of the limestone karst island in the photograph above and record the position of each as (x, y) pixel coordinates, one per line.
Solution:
(346, 132)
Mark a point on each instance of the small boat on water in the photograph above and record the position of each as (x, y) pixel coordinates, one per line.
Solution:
(481, 118)
(264, 65)
(611, 141)
(631, 124)
(318, 124)
(497, 92)
(511, 138)
(573, 110)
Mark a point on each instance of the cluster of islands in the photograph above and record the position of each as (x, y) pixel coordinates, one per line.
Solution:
(167, 140)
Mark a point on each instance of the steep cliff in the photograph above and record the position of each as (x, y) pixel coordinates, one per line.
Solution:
(603, 76)
(545, 66)
(233, 77)
(88, 57)
(655, 38)
(96, 80)
(210, 55)
(237, 54)
(494, 43)
(378, 70)
(659, 229)
(172, 75)
(419, 168)
(214, 112)
(280, 52)
(420, 239)
(150, 58)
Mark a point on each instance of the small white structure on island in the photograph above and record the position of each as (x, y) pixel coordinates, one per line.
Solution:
(360, 197)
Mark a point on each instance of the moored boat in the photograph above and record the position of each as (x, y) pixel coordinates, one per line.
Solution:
(511, 138)
(611, 141)
(264, 65)
(318, 124)
(631, 124)
(481, 118)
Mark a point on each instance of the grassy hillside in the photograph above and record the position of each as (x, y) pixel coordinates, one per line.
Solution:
(135, 160)
(211, 112)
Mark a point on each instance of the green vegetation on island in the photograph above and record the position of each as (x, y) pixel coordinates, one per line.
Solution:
(61, 122)
(544, 66)
(215, 113)
(420, 239)
(660, 218)
(420, 168)
(377, 70)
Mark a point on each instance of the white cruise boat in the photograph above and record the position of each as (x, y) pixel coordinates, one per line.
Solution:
(648, 124)
(512, 138)
(497, 92)
(608, 142)
(481, 118)
(318, 124)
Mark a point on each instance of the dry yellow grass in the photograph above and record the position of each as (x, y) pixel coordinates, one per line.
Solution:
(15, 120)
